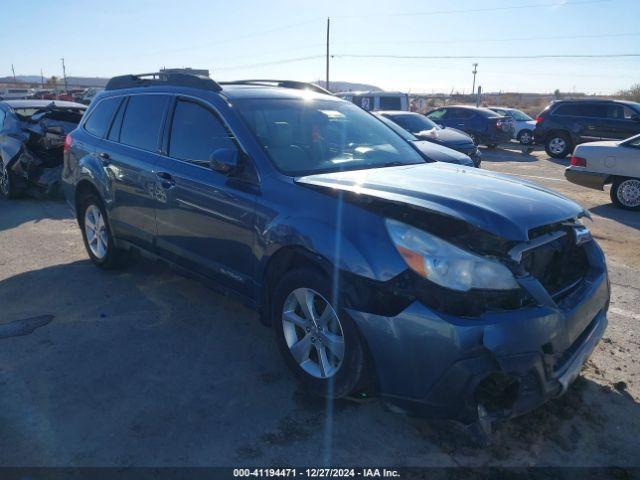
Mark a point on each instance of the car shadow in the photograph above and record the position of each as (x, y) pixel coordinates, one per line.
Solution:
(626, 217)
(502, 154)
(16, 212)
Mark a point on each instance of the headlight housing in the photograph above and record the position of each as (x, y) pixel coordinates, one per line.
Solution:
(445, 264)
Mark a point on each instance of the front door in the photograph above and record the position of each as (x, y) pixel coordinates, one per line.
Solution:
(205, 219)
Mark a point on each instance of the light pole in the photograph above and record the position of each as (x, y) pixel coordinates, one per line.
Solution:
(475, 70)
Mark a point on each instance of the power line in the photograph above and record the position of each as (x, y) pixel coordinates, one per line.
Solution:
(276, 62)
(500, 57)
(476, 10)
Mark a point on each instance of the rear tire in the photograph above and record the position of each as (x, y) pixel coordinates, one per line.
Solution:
(96, 234)
(625, 193)
(558, 145)
(301, 340)
(525, 137)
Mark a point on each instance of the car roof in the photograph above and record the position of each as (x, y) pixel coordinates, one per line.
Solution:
(596, 100)
(43, 104)
(267, 91)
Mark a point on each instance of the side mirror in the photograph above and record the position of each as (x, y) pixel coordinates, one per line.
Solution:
(224, 160)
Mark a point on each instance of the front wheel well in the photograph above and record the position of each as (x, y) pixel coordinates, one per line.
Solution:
(285, 260)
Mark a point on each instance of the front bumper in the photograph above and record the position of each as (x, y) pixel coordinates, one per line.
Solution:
(436, 365)
(586, 179)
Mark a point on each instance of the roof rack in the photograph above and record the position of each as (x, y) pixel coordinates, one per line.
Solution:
(281, 83)
(162, 79)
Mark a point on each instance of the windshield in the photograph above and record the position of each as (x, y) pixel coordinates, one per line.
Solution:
(408, 136)
(304, 137)
(413, 122)
(520, 116)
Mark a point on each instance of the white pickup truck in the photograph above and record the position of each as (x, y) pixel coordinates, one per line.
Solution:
(617, 162)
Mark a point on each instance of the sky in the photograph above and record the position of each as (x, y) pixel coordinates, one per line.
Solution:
(286, 39)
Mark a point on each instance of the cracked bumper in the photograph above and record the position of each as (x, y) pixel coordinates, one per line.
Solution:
(432, 364)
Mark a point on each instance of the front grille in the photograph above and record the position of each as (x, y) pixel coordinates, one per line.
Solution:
(560, 266)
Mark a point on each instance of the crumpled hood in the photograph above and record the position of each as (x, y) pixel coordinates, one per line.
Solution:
(500, 204)
(445, 136)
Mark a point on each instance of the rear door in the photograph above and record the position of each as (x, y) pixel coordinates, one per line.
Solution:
(205, 218)
(129, 153)
(621, 122)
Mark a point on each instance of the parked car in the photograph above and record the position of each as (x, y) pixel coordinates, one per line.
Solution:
(523, 123)
(32, 135)
(14, 93)
(426, 130)
(566, 123)
(484, 126)
(431, 152)
(597, 164)
(449, 292)
(377, 100)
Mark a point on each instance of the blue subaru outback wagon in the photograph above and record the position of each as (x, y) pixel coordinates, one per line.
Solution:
(449, 291)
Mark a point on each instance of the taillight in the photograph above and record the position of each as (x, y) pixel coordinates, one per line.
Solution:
(539, 120)
(578, 161)
(68, 141)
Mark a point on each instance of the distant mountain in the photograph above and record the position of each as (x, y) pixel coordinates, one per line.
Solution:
(347, 86)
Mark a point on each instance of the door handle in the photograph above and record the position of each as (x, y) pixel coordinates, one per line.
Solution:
(166, 180)
(105, 158)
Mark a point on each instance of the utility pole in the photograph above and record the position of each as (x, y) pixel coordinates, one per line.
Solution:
(41, 79)
(475, 70)
(64, 74)
(327, 79)
(14, 74)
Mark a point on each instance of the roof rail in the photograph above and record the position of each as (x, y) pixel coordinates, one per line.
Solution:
(162, 79)
(281, 83)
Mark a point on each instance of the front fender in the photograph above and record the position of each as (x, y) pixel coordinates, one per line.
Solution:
(319, 238)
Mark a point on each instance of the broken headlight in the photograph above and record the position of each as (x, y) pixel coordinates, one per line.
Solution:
(445, 264)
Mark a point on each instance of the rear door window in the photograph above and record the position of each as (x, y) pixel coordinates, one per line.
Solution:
(196, 132)
(142, 121)
(100, 118)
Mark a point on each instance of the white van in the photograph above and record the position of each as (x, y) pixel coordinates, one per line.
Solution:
(377, 100)
(14, 93)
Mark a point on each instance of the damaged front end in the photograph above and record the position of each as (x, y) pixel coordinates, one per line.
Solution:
(35, 153)
(472, 354)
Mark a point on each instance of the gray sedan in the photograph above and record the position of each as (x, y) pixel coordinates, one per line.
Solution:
(617, 162)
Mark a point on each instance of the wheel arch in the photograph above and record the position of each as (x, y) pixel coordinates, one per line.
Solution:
(283, 260)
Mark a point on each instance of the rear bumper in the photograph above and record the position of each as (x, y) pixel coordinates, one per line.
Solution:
(432, 364)
(586, 179)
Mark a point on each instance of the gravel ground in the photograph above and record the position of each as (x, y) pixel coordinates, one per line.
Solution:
(146, 367)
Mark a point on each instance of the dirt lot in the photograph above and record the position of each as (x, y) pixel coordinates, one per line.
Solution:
(146, 367)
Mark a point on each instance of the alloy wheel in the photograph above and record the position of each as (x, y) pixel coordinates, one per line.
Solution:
(525, 138)
(313, 333)
(557, 145)
(96, 231)
(629, 193)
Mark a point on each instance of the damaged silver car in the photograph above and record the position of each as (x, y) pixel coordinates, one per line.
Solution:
(32, 136)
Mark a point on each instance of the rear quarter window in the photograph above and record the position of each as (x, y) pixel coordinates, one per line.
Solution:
(142, 121)
(99, 119)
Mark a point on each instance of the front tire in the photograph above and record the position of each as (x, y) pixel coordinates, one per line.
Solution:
(558, 145)
(96, 234)
(7, 188)
(625, 193)
(319, 342)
